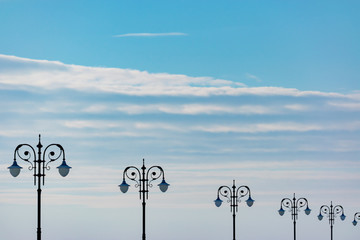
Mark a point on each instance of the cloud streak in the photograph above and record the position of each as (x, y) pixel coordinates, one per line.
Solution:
(28, 74)
(213, 128)
(151, 34)
(195, 109)
(253, 77)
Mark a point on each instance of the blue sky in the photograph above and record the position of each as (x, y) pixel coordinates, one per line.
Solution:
(280, 42)
(263, 92)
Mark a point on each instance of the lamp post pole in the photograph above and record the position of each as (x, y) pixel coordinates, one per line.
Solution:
(331, 213)
(143, 182)
(356, 217)
(51, 153)
(233, 195)
(294, 206)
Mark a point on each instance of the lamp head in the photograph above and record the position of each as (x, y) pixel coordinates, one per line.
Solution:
(281, 211)
(124, 187)
(320, 217)
(250, 201)
(354, 222)
(307, 211)
(163, 186)
(64, 169)
(218, 202)
(14, 169)
(342, 217)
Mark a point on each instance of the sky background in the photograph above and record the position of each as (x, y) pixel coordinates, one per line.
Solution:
(266, 93)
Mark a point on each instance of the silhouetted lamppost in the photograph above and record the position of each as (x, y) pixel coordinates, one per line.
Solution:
(331, 213)
(294, 207)
(143, 181)
(234, 195)
(356, 217)
(39, 163)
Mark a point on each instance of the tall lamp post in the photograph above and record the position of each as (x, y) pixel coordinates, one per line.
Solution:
(331, 212)
(143, 181)
(294, 207)
(40, 162)
(234, 196)
(356, 217)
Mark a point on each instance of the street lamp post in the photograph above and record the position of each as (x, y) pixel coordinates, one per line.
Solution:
(233, 195)
(39, 165)
(331, 213)
(143, 181)
(356, 217)
(294, 207)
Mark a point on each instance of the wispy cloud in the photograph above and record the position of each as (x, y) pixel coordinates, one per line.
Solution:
(204, 132)
(151, 34)
(211, 128)
(28, 74)
(279, 127)
(348, 106)
(253, 77)
(195, 109)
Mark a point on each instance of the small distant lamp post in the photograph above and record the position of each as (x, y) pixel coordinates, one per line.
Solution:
(234, 195)
(143, 181)
(51, 153)
(294, 207)
(356, 217)
(331, 212)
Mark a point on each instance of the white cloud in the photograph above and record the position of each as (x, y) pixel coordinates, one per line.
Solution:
(253, 77)
(98, 108)
(194, 109)
(211, 109)
(30, 74)
(348, 106)
(297, 107)
(91, 124)
(261, 127)
(278, 126)
(151, 34)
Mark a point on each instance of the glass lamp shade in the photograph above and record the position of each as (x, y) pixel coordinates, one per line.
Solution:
(320, 217)
(307, 211)
(14, 169)
(281, 211)
(64, 169)
(342, 217)
(218, 202)
(124, 187)
(163, 186)
(354, 222)
(250, 201)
